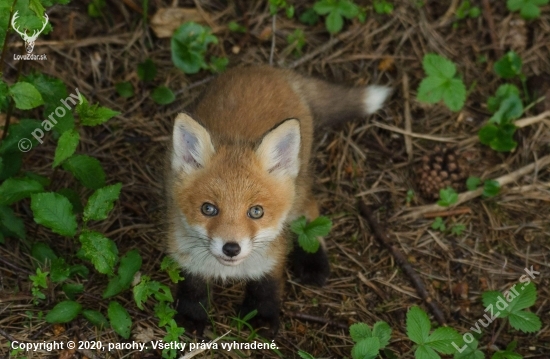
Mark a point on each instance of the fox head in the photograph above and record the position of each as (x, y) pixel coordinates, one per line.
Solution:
(232, 198)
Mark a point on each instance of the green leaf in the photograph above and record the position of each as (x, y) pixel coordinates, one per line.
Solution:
(383, 7)
(25, 96)
(99, 250)
(305, 355)
(441, 83)
(487, 134)
(129, 265)
(348, 9)
(55, 212)
(503, 92)
(172, 268)
(454, 94)
(457, 229)
(470, 352)
(73, 197)
(87, 170)
(37, 7)
(425, 352)
(382, 331)
(438, 66)
(319, 227)
(442, 338)
(526, 298)
(324, 7)
(15, 189)
(120, 319)
(72, 289)
(234, 26)
(359, 331)
(59, 270)
(147, 287)
(367, 348)
(93, 115)
(101, 203)
(163, 95)
(418, 325)
(527, 322)
(22, 131)
(11, 222)
(96, 318)
(529, 9)
(508, 66)
(164, 312)
(58, 104)
(41, 252)
(11, 164)
(43, 180)
(64, 312)
(125, 89)
(509, 109)
(334, 22)
(431, 89)
(189, 44)
(491, 188)
(147, 70)
(439, 224)
(66, 145)
(447, 197)
(472, 183)
(309, 17)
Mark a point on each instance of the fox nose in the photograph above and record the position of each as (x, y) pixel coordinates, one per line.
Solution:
(231, 249)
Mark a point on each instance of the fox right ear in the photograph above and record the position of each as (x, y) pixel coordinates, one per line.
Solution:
(192, 145)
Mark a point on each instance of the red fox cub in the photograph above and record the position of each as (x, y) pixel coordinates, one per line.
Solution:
(239, 173)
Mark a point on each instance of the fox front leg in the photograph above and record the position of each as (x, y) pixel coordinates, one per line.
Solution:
(263, 295)
(192, 302)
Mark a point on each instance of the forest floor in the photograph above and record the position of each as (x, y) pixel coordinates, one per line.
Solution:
(373, 160)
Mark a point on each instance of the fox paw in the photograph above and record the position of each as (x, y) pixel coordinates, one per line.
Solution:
(310, 268)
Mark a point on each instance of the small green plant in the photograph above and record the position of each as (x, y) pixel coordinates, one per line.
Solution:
(308, 232)
(429, 344)
(441, 83)
(276, 5)
(305, 355)
(410, 197)
(336, 11)
(39, 282)
(309, 17)
(467, 10)
(147, 70)
(457, 229)
(491, 188)
(439, 224)
(125, 89)
(528, 9)
(447, 197)
(189, 44)
(163, 95)
(369, 342)
(298, 39)
(511, 305)
(234, 26)
(383, 7)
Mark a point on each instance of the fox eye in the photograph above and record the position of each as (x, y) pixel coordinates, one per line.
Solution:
(255, 212)
(208, 209)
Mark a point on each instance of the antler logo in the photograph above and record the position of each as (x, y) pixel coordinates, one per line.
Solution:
(29, 40)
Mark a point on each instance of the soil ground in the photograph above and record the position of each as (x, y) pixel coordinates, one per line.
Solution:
(365, 160)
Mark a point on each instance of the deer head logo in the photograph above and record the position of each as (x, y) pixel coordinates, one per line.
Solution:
(29, 40)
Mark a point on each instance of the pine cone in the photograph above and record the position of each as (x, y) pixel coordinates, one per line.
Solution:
(441, 169)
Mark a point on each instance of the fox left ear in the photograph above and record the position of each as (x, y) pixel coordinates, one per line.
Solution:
(192, 145)
(279, 150)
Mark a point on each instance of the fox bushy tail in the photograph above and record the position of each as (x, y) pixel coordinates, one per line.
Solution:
(332, 104)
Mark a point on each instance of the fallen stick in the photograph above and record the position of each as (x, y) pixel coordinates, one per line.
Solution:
(408, 118)
(448, 213)
(416, 281)
(416, 212)
(316, 319)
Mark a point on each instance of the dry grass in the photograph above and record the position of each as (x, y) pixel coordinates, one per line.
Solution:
(367, 160)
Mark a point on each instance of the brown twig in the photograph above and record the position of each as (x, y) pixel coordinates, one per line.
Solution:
(408, 119)
(7, 336)
(416, 212)
(451, 212)
(316, 319)
(416, 281)
(488, 15)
